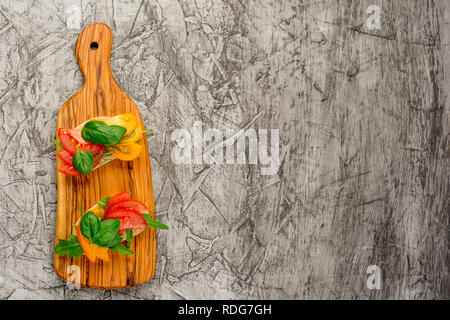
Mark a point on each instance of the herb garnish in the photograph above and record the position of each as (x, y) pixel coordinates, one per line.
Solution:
(57, 143)
(154, 223)
(108, 235)
(121, 249)
(70, 247)
(83, 162)
(90, 225)
(102, 203)
(104, 233)
(129, 236)
(99, 132)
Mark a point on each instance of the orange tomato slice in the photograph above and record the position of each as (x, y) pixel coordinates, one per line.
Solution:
(103, 253)
(126, 120)
(91, 250)
(127, 151)
(85, 244)
(130, 146)
(134, 136)
(98, 211)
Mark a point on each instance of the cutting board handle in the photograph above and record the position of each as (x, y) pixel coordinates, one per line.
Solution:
(93, 52)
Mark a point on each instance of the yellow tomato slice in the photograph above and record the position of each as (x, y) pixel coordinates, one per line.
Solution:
(126, 120)
(134, 136)
(85, 244)
(102, 252)
(98, 211)
(127, 151)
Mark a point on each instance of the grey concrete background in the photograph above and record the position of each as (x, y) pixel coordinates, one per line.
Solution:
(364, 123)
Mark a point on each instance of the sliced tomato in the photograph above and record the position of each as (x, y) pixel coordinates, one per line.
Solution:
(127, 151)
(66, 141)
(66, 156)
(68, 170)
(76, 134)
(118, 197)
(126, 120)
(97, 152)
(71, 140)
(97, 149)
(129, 219)
(133, 136)
(85, 244)
(129, 204)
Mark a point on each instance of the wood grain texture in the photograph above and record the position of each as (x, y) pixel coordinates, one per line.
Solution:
(101, 96)
(364, 128)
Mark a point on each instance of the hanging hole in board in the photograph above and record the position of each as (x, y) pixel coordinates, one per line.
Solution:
(94, 45)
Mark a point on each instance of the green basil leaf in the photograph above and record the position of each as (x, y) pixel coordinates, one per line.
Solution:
(114, 242)
(99, 132)
(69, 247)
(108, 235)
(96, 132)
(72, 237)
(121, 249)
(102, 203)
(83, 162)
(129, 237)
(57, 143)
(90, 225)
(154, 223)
(118, 133)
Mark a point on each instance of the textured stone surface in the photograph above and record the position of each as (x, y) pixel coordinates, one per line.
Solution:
(364, 125)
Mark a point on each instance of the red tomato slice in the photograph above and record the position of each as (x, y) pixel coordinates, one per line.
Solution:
(71, 139)
(76, 135)
(129, 204)
(68, 170)
(98, 150)
(66, 156)
(118, 197)
(66, 141)
(129, 219)
(98, 155)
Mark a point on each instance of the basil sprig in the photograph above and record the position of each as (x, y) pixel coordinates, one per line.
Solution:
(103, 233)
(83, 162)
(90, 225)
(108, 235)
(57, 143)
(70, 247)
(129, 236)
(121, 249)
(99, 132)
(102, 203)
(154, 223)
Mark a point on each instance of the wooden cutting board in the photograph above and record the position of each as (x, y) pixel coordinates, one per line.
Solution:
(101, 96)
